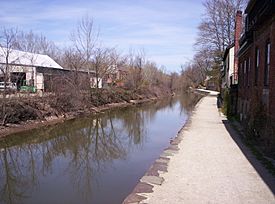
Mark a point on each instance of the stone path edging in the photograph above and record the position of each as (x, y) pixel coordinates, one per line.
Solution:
(152, 177)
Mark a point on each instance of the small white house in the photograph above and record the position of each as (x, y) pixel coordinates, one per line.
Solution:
(228, 67)
(22, 67)
(93, 82)
(37, 70)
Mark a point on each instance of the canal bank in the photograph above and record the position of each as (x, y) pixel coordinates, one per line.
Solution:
(205, 163)
(25, 112)
(23, 126)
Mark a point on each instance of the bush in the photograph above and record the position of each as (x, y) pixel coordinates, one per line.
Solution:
(226, 106)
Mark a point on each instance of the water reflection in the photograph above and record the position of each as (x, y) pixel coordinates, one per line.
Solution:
(79, 154)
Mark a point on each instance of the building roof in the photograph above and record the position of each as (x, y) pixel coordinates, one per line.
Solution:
(250, 4)
(259, 4)
(17, 57)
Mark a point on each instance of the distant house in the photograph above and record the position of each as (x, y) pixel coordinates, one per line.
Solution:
(211, 83)
(229, 86)
(257, 60)
(94, 83)
(116, 77)
(228, 67)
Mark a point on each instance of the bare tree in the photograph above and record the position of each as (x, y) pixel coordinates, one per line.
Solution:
(7, 43)
(136, 62)
(74, 61)
(216, 30)
(34, 43)
(104, 62)
(154, 76)
(84, 38)
(173, 84)
(150, 72)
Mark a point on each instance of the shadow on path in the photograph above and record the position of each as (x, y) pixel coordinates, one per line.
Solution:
(265, 175)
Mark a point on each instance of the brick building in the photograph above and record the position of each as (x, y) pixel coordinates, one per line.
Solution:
(256, 75)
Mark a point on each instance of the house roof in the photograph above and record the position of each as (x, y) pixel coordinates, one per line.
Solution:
(17, 57)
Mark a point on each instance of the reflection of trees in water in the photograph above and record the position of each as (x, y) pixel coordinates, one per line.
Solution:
(188, 101)
(17, 173)
(88, 145)
(134, 126)
(135, 120)
(96, 144)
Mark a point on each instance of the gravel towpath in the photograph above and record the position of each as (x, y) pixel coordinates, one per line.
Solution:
(212, 165)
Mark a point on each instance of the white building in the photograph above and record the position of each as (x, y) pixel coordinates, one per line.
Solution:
(228, 67)
(23, 67)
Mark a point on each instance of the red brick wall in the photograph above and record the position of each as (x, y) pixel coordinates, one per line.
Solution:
(272, 70)
(249, 96)
(245, 83)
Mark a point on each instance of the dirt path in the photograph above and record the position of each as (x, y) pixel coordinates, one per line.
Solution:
(212, 166)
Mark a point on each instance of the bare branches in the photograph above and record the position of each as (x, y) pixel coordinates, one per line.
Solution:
(104, 62)
(216, 33)
(7, 43)
(217, 27)
(34, 43)
(73, 60)
(136, 62)
(84, 39)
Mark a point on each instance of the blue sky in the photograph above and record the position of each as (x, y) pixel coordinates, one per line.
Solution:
(165, 29)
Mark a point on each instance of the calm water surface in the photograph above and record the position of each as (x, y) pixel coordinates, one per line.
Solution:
(97, 159)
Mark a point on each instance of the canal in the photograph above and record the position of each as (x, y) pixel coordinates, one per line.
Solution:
(97, 159)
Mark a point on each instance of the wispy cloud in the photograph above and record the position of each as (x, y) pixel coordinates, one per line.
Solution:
(164, 28)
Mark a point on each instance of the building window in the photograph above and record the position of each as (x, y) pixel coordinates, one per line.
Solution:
(240, 74)
(267, 64)
(257, 63)
(248, 72)
(246, 23)
(245, 74)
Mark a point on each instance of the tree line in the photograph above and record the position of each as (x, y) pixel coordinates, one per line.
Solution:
(86, 53)
(215, 34)
(143, 78)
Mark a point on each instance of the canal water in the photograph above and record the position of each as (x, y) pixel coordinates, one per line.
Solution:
(97, 159)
